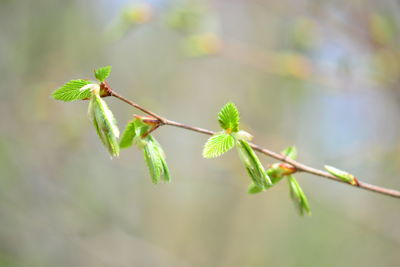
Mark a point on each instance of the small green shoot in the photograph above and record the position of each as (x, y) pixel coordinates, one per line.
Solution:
(104, 123)
(136, 132)
(298, 196)
(229, 118)
(342, 175)
(102, 73)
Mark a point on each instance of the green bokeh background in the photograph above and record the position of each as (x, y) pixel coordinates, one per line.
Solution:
(323, 75)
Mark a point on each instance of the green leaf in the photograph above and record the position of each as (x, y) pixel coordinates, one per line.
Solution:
(298, 196)
(155, 159)
(253, 165)
(254, 189)
(228, 118)
(342, 175)
(290, 152)
(128, 135)
(133, 133)
(166, 173)
(165, 170)
(218, 144)
(153, 162)
(152, 150)
(71, 91)
(101, 74)
(104, 123)
(141, 127)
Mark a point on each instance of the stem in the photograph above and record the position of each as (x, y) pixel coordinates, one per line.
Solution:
(133, 104)
(299, 166)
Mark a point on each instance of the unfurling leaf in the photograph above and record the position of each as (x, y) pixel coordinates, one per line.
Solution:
(165, 170)
(342, 175)
(279, 170)
(72, 91)
(254, 189)
(298, 196)
(228, 118)
(104, 123)
(290, 152)
(155, 159)
(102, 73)
(153, 162)
(218, 144)
(253, 165)
(136, 132)
(133, 133)
(128, 135)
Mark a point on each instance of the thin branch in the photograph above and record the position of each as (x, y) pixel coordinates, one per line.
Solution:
(299, 166)
(133, 104)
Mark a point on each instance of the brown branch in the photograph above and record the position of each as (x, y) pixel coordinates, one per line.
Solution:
(299, 166)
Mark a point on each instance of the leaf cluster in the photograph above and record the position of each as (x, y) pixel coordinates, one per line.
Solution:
(106, 126)
(222, 142)
(262, 179)
(342, 175)
(137, 132)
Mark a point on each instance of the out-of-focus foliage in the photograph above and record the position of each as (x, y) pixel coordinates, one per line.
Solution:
(321, 75)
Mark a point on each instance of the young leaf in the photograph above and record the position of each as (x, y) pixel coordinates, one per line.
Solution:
(298, 196)
(342, 175)
(133, 133)
(290, 152)
(141, 128)
(218, 144)
(104, 123)
(228, 118)
(165, 170)
(101, 74)
(253, 165)
(153, 161)
(72, 91)
(166, 173)
(254, 189)
(152, 151)
(128, 135)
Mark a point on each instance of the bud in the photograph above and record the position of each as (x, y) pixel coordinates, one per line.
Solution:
(342, 175)
(243, 135)
(151, 121)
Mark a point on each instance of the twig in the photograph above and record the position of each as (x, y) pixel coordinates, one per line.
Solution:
(299, 166)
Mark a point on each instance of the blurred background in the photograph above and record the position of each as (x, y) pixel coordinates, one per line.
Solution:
(321, 75)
